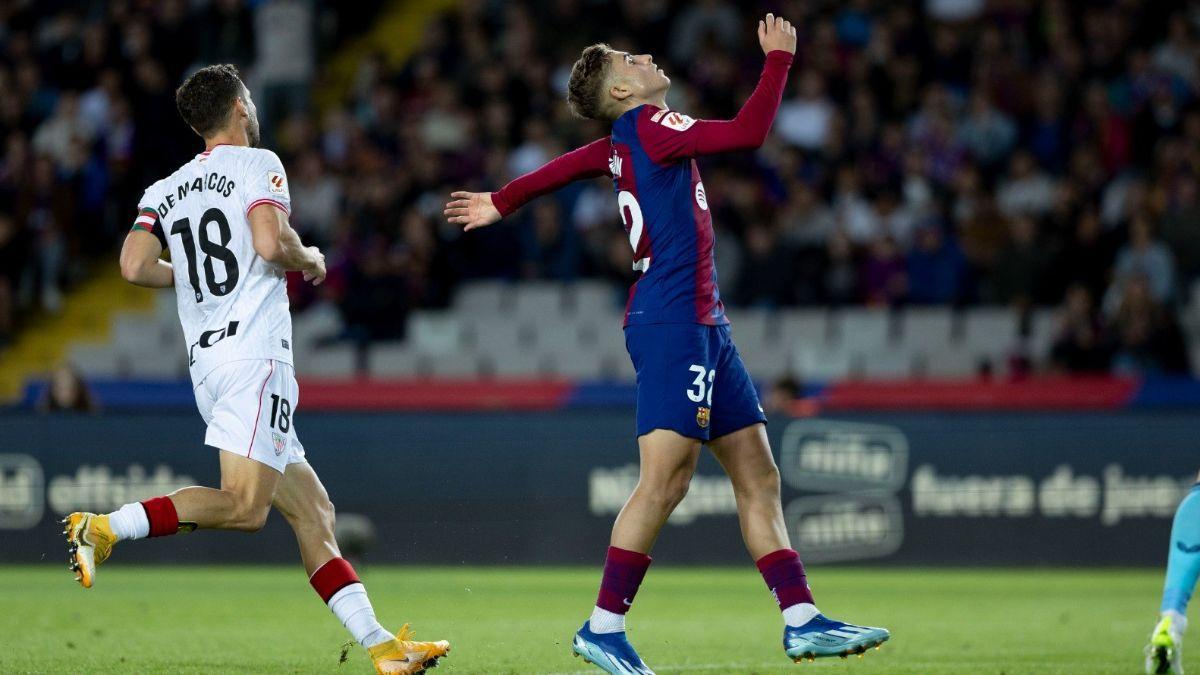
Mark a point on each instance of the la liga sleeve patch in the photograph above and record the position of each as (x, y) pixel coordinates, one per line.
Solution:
(276, 183)
(677, 121)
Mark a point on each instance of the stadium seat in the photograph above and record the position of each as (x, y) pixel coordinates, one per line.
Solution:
(483, 297)
(539, 299)
(582, 364)
(807, 326)
(524, 363)
(887, 364)
(95, 359)
(752, 327)
(990, 331)
(926, 328)
(392, 359)
(952, 362)
(340, 360)
(592, 298)
(322, 320)
(1042, 328)
(435, 332)
(766, 362)
(861, 330)
(813, 362)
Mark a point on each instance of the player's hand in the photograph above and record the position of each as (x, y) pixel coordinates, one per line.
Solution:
(316, 271)
(471, 210)
(776, 33)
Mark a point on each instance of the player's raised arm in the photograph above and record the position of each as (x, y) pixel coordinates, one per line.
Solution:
(479, 209)
(141, 262)
(670, 136)
(276, 242)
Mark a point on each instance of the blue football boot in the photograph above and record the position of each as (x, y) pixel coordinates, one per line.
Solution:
(826, 637)
(611, 652)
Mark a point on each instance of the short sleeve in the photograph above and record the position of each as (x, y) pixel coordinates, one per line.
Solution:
(148, 219)
(266, 182)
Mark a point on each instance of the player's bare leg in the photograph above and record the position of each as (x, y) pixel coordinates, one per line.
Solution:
(242, 503)
(746, 456)
(668, 461)
(303, 501)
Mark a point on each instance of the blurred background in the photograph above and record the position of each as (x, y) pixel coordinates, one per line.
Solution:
(963, 269)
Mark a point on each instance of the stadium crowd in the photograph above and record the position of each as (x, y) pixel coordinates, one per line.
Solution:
(942, 152)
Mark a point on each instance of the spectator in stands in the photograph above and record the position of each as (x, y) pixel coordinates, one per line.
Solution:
(1079, 343)
(1147, 337)
(67, 392)
(1144, 258)
(1022, 266)
(884, 278)
(936, 268)
(969, 114)
(1181, 228)
(11, 255)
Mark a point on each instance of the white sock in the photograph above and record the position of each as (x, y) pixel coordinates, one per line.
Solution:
(799, 614)
(604, 621)
(130, 522)
(353, 608)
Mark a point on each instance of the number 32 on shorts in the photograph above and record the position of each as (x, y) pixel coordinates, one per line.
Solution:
(701, 388)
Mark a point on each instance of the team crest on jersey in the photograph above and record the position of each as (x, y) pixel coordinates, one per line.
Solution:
(276, 184)
(280, 442)
(677, 121)
(702, 417)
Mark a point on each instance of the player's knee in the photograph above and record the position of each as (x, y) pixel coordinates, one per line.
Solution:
(675, 489)
(765, 482)
(249, 517)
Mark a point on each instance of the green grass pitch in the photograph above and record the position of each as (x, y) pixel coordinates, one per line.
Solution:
(165, 619)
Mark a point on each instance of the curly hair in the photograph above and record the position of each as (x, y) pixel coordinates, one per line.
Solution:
(204, 99)
(585, 90)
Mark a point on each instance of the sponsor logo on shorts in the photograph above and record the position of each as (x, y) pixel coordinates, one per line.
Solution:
(702, 417)
(280, 442)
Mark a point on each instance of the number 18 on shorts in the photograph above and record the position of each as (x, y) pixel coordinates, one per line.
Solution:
(248, 407)
(691, 380)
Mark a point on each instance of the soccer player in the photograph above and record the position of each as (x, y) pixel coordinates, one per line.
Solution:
(224, 218)
(1164, 654)
(692, 387)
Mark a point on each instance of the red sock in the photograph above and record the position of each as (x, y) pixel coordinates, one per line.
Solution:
(784, 575)
(160, 511)
(332, 577)
(623, 574)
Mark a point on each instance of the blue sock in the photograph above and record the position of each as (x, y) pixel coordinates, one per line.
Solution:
(1183, 562)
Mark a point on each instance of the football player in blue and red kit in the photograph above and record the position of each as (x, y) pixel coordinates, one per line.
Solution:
(692, 387)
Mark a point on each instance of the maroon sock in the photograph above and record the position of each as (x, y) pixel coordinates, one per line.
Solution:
(160, 511)
(784, 575)
(332, 577)
(623, 573)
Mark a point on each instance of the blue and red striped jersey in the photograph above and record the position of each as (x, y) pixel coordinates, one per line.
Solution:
(650, 158)
(665, 213)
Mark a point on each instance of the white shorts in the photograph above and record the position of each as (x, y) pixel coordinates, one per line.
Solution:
(249, 407)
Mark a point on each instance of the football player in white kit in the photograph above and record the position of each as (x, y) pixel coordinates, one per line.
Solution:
(224, 218)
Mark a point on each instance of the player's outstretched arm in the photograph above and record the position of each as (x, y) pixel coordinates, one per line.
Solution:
(141, 264)
(669, 137)
(276, 242)
(479, 209)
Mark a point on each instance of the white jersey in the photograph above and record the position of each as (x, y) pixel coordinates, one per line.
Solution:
(233, 304)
